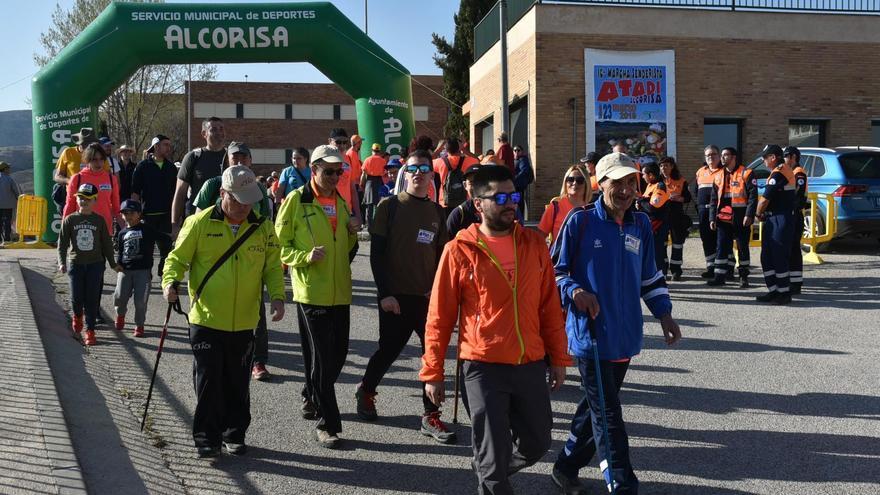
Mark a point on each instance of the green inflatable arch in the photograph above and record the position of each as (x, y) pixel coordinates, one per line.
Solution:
(67, 92)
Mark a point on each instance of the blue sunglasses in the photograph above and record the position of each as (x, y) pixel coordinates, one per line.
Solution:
(503, 198)
(419, 168)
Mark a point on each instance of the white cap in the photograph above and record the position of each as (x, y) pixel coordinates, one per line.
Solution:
(615, 166)
(241, 183)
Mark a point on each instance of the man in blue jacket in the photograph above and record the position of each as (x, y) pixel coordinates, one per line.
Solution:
(605, 264)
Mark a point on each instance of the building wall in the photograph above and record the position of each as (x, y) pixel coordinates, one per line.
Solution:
(728, 64)
(284, 116)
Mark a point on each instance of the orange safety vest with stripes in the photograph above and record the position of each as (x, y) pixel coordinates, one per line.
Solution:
(705, 181)
(733, 185)
(675, 188)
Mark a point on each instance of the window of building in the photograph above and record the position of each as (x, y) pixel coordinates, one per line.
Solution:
(807, 133)
(347, 112)
(268, 156)
(875, 133)
(486, 136)
(312, 112)
(723, 133)
(263, 110)
(420, 113)
(203, 110)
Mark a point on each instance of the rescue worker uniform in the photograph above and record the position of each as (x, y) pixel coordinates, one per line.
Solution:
(800, 203)
(654, 202)
(776, 234)
(679, 222)
(739, 191)
(703, 188)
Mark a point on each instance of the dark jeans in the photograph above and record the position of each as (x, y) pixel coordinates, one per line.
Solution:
(511, 420)
(162, 223)
(328, 329)
(6, 224)
(221, 377)
(86, 283)
(586, 427)
(394, 333)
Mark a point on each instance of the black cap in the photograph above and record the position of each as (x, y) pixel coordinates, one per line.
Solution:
(87, 190)
(771, 149)
(338, 132)
(592, 157)
(471, 171)
(130, 205)
(791, 150)
(650, 167)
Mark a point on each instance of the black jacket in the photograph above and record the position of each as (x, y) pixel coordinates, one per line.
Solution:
(155, 186)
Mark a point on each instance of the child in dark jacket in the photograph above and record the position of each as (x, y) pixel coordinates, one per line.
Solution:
(136, 243)
(85, 234)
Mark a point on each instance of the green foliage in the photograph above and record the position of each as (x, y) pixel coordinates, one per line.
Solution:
(148, 103)
(456, 58)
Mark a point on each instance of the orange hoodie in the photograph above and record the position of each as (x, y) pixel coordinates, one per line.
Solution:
(500, 322)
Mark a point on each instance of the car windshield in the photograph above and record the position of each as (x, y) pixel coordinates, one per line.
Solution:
(860, 165)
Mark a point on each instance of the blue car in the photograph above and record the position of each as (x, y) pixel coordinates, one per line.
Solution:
(852, 175)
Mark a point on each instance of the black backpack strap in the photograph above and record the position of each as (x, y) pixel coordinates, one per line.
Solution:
(225, 256)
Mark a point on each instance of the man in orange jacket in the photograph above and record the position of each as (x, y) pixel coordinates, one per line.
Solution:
(498, 276)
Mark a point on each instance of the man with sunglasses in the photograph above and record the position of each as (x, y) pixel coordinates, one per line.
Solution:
(407, 237)
(499, 278)
(318, 240)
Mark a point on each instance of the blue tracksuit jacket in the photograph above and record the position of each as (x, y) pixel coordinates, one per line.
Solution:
(616, 264)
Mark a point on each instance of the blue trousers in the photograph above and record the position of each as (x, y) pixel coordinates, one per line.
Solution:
(797, 256)
(86, 283)
(776, 238)
(727, 233)
(586, 427)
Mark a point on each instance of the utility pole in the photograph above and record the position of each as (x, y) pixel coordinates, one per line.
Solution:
(189, 79)
(366, 24)
(505, 111)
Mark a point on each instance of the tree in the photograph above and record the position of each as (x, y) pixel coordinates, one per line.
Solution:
(146, 104)
(456, 59)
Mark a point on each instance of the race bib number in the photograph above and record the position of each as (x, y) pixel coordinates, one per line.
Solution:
(632, 243)
(105, 187)
(425, 237)
(329, 210)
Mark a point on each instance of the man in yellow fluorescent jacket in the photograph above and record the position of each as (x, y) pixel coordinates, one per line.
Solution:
(317, 235)
(225, 300)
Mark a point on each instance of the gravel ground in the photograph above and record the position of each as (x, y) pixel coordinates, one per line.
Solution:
(755, 399)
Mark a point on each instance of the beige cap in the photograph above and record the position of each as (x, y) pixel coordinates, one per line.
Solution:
(326, 153)
(124, 147)
(615, 166)
(240, 182)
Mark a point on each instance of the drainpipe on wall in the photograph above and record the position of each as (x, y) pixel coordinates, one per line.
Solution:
(572, 102)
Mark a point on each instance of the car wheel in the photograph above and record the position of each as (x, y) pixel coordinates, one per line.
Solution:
(820, 230)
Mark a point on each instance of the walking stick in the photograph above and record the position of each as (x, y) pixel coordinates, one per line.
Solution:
(175, 306)
(607, 472)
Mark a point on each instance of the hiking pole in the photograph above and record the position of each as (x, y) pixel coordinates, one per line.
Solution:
(159, 352)
(607, 471)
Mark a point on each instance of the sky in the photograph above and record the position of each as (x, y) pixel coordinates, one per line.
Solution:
(402, 27)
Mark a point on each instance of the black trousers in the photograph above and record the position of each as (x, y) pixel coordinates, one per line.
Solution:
(162, 223)
(727, 233)
(6, 224)
(796, 265)
(221, 377)
(708, 236)
(306, 344)
(327, 328)
(394, 333)
(261, 337)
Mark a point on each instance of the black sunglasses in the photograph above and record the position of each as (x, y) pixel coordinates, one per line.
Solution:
(329, 172)
(503, 198)
(578, 180)
(423, 168)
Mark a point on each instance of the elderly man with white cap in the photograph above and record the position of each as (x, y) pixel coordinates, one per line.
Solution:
(604, 260)
(223, 247)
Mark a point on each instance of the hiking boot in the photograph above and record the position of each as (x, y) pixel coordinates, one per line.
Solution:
(433, 427)
(308, 409)
(77, 324)
(120, 322)
(259, 372)
(366, 404)
(744, 282)
(327, 439)
(796, 289)
(767, 297)
(676, 277)
(730, 275)
(715, 282)
(139, 331)
(567, 485)
(708, 274)
(234, 448)
(206, 451)
(782, 299)
(90, 337)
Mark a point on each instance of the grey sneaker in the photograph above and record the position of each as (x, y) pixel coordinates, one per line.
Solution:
(567, 485)
(234, 448)
(327, 439)
(433, 427)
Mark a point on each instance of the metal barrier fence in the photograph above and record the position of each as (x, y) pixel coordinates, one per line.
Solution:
(30, 221)
(486, 32)
(811, 236)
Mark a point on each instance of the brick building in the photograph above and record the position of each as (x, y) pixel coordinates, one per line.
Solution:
(741, 78)
(275, 118)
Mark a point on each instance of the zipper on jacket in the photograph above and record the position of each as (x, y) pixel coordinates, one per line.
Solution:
(513, 288)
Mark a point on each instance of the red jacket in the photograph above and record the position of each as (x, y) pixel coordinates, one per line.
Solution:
(500, 322)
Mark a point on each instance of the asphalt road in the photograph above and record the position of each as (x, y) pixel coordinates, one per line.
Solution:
(755, 399)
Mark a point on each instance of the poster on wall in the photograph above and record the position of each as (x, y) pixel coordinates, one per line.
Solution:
(630, 100)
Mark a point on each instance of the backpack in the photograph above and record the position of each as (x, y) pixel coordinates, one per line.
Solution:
(453, 189)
